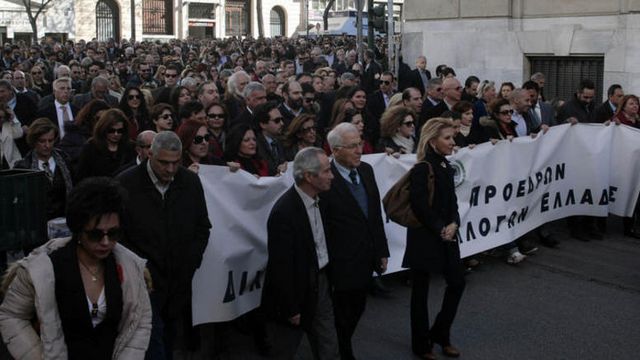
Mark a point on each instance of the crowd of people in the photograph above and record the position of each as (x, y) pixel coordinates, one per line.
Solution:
(149, 114)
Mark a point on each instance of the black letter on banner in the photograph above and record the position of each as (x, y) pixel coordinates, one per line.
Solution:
(571, 198)
(484, 226)
(560, 172)
(544, 203)
(243, 283)
(507, 192)
(548, 175)
(521, 187)
(604, 199)
(523, 214)
(538, 179)
(612, 193)
(470, 234)
(557, 202)
(230, 294)
(475, 192)
(500, 220)
(489, 192)
(530, 185)
(586, 197)
(512, 219)
(256, 282)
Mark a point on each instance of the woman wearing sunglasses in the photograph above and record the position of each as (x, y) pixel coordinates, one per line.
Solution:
(397, 131)
(496, 126)
(81, 297)
(216, 123)
(134, 106)
(195, 144)
(109, 148)
(162, 117)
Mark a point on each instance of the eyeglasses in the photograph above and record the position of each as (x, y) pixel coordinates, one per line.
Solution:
(131, 97)
(278, 120)
(116, 131)
(170, 75)
(506, 112)
(165, 116)
(199, 139)
(143, 146)
(352, 146)
(215, 115)
(96, 235)
(36, 72)
(385, 82)
(408, 123)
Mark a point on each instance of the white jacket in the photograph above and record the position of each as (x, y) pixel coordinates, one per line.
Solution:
(11, 130)
(31, 293)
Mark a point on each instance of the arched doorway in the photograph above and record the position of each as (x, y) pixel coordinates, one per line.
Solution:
(277, 21)
(107, 20)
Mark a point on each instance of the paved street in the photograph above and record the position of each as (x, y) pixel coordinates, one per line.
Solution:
(580, 301)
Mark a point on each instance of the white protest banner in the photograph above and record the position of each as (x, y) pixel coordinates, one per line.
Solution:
(504, 191)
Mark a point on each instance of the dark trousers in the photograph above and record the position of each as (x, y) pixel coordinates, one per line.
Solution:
(348, 306)
(421, 336)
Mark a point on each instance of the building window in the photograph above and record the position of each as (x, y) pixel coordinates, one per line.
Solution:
(237, 18)
(277, 21)
(201, 11)
(107, 22)
(157, 17)
(564, 73)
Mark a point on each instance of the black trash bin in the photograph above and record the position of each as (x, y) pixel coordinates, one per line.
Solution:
(23, 213)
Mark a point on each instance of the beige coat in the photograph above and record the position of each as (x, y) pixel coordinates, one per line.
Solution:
(31, 294)
(11, 131)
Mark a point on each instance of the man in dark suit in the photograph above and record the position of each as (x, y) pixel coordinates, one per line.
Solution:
(269, 125)
(254, 95)
(60, 111)
(452, 92)
(166, 223)
(292, 104)
(355, 234)
(605, 111)
(296, 292)
(171, 78)
(99, 90)
(541, 113)
(580, 108)
(434, 94)
(20, 85)
(379, 100)
(420, 75)
(372, 72)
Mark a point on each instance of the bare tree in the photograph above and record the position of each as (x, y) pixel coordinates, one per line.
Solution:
(260, 19)
(38, 7)
(325, 15)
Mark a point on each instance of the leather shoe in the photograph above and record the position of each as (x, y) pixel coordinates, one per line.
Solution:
(632, 234)
(450, 351)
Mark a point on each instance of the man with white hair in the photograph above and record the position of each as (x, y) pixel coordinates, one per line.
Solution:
(20, 85)
(60, 111)
(254, 94)
(99, 90)
(356, 239)
(235, 98)
(297, 293)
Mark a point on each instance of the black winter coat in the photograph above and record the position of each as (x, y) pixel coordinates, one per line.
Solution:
(426, 250)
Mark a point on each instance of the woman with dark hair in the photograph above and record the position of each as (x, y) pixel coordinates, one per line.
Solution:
(216, 124)
(463, 128)
(162, 117)
(433, 246)
(300, 134)
(109, 148)
(496, 126)
(195, 144)
(180, 95)
(505, 90)
(41, 136)
(80, 130)
(86, 292)
(397, 131)
(358, 97)
(134, 106)
(241, 148)
(354, 117)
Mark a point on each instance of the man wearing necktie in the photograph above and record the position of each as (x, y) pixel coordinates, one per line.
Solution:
(270, 123)
(355, 234)
(61, 112)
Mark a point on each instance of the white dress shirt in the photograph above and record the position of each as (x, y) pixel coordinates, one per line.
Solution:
(315, 221)
(60, 115)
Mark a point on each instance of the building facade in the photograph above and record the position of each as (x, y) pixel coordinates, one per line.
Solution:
(508, 40)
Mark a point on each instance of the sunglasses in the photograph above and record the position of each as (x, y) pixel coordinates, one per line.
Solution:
(199, 139)
(309, 99)
(131, 97)
(306, 130)
(409, 123)
(96, 235)
(278, 120)
(165, 116)
(215, 115)
(385, 82)
(36, 72)
(506, 112)
(115, 131)
(170, 75)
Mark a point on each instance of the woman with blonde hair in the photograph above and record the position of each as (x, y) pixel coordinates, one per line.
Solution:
(397, 131)
(433, 247)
